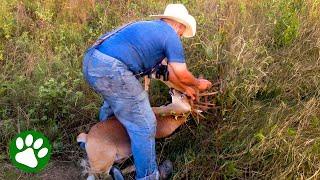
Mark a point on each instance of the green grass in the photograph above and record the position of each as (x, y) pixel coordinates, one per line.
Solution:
(267, 54)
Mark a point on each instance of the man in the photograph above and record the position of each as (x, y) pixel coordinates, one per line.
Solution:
(111, 68)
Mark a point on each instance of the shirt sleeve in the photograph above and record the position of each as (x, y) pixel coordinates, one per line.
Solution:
(173, 48)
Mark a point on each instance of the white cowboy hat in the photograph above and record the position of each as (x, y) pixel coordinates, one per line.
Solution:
(179, 13)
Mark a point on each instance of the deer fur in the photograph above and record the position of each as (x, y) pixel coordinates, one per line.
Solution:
(107, 142)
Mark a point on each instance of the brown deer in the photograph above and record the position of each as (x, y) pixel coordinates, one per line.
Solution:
(107, 142)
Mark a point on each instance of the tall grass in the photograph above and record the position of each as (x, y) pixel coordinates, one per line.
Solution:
(266, 52)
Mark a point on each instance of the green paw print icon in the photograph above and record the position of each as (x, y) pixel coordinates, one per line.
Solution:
(30, 151)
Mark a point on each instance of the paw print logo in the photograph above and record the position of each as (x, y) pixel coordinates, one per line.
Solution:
(30, 151)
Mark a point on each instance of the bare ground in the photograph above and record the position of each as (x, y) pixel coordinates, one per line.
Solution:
(56, 170)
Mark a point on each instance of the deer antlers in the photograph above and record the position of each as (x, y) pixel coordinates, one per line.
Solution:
(203, 102)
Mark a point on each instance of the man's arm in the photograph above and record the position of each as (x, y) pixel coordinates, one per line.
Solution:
(182, 74)
(185, 76)
(183, 80)
(178, 85)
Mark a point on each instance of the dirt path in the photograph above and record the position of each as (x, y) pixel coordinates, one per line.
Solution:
(56, 170)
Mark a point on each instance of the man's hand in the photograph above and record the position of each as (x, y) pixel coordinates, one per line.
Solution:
(181, 77)
(191, 92)
(204, 84)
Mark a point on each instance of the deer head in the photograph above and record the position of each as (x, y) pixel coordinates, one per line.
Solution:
(180, 104)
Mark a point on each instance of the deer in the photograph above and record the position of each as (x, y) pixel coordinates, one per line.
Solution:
(107, 142)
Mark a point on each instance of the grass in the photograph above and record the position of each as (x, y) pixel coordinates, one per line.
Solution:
(267, 54)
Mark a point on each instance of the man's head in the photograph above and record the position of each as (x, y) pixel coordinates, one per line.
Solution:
(178, 27)
(178, 17)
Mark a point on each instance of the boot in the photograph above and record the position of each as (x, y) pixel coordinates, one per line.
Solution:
(165, 169)
(116, 174)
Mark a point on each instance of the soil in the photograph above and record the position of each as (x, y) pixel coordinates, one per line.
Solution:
(55, 170)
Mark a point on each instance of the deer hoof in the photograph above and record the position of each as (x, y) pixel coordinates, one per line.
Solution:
(91, 177)
(165, 169)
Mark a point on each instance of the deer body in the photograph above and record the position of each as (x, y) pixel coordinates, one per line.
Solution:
(108, 142)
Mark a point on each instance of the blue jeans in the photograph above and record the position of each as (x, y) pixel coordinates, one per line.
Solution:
(125, 98)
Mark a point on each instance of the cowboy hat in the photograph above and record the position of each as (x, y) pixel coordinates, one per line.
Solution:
(179, 13)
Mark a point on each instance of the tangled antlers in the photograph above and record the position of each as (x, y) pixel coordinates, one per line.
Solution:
(203, 102)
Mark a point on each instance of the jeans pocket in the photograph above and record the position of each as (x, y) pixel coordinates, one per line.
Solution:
(99, 67)
(102, 85)
(132, 85)
(113, 84)
(112, 78)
